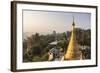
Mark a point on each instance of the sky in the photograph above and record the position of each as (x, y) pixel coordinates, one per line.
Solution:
(45, 22)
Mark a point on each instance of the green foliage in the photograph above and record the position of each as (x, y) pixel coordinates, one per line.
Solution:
(83, 36)
(39, 44)
(36, 59)
(44, 57)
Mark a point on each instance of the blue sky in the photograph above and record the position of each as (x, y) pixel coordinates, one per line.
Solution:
(45, 22)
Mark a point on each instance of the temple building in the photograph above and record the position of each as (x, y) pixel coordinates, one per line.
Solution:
(73, 51)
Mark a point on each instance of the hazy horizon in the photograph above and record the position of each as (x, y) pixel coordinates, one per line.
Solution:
(45, 22)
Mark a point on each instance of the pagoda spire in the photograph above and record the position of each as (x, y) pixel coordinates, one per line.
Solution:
(73, 52)
(73, 22)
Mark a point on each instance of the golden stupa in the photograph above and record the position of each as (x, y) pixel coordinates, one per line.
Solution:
(73, 52)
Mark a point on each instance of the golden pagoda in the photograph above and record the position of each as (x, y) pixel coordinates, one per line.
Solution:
(73, 52)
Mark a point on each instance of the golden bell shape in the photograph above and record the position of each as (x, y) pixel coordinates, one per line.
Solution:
(73, 51)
